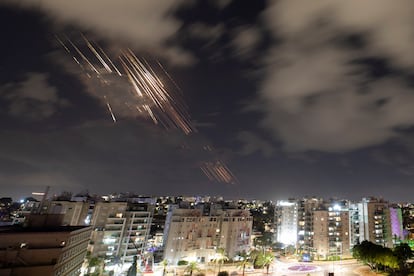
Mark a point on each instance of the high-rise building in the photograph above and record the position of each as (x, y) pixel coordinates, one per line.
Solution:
(286, 213)
(375, 220)
(121, 231)
(191, 235)
(306, 208)
(331, 230)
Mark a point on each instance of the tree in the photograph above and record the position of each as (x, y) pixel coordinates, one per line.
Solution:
(265, 259)
(265, 240)
(164, 264)
(245, 261)
(254, 254)
(403, 252)
(382, 258)
(220, 257)
(192, 266)
(385, 259)
(367, 252)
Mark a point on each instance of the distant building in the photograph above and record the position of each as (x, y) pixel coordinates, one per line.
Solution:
(43, 251)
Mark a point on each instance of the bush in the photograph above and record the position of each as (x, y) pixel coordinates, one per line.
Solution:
(223, 273)
(182, 262)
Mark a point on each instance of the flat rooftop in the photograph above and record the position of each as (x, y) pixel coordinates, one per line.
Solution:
(21, 229)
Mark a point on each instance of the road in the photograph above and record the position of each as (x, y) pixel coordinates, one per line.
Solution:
(288, 267)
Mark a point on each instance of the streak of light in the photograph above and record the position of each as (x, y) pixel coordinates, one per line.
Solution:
(110, 61)
(98, 56)
(169, 76)
(83, 56)
(148, 109)
(110, 110)
(63, 44)
(218, 171)
(130, 86)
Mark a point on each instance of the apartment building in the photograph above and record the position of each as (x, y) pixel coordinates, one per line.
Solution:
(306, 208)
(121, 231)
(192, 235)
(73, 212)
(286, 221)
(375, 220)
(51, 250)
(331, 230)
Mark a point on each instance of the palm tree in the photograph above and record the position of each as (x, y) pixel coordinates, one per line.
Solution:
(265, 260)
(220, 257)
(244, 262)
(164, 264)
(254, 254)
(192, 266)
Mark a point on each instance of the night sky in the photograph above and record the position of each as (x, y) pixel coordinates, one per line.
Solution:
(297, 98)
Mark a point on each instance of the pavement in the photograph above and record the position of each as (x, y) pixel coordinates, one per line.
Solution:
(291, 267)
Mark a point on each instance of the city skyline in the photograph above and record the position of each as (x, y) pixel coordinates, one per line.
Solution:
(275, 99)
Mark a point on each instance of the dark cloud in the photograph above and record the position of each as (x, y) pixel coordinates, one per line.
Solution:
(311, 91)
(221, 4)
(206, 32)
(252, 143)
(33, 98)
(147, 25)
(245, 40)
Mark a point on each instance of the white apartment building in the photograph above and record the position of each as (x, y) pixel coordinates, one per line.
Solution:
(121, 231)
(286, 213)
(376, 221)
(192, 236)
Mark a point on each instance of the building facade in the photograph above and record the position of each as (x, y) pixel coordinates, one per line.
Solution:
(120, 231)
(74, 212)
(193, 236)
(43, 251)
(286, 213)
(331, 231)
(375, 220)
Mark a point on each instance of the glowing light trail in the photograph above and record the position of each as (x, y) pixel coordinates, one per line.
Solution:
(129, 84)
